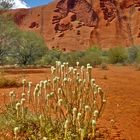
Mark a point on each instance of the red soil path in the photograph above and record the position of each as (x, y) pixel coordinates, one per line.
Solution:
(121, 118)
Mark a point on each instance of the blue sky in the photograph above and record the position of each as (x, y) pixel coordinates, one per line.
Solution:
(34, 3)
(29, 3)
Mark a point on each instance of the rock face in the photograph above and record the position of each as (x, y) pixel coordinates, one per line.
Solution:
(109, 9)
(72, 10)
(72, 25)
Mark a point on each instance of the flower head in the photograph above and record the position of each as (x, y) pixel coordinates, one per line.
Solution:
(17, 106)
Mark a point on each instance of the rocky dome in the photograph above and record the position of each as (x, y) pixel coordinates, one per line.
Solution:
(72, 25)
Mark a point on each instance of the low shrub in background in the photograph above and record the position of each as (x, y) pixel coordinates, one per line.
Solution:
(92, 56)
(138, 56)
(30, 48)
(50, 58)
(95, 56)
(117, 55)
(132, 54)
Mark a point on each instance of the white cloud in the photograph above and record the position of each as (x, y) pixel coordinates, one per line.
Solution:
(20, 4)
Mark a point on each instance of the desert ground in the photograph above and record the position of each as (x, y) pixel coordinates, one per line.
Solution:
(121, 117)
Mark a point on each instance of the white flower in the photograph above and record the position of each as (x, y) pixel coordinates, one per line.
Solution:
(45, 83)
(23, 81)
(29, 84)
(94, 123)
(96, 112)
(23, 95)
(53, 69)
(58, 63)
(62, 67)
(104, 101)
(79, 116)
(22, 101)
(44, 138)
(77, 63)
(11, 93)
(74, 110)
(70, 69)
(65, 79)
(17, 106)
(82, 68)
(16, 130)
(52, 94)
(59, 90)
(60, 102)
(88, 65)
(41, 84)
(87, 108)
(92, 81)
(66, 124)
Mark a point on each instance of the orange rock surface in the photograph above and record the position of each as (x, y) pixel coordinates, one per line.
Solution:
(76, 25)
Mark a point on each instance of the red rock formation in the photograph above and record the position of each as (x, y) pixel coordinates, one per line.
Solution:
(20, 15)
(68, 27)
(129, 3)
(80, 9)
(109, 9)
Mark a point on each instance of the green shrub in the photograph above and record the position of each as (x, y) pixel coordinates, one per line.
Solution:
(72, 57)
(29, 49)
(104, 56)
(50, 57)
(138, 56)
(19, 47)
(132, 54)
(117, 55)
(92, 56)
(8, 31)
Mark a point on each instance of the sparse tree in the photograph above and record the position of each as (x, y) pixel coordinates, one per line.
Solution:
(29, 48)
(7, 32)
(6, 4)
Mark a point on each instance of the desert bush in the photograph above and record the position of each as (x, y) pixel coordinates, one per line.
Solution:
(8, 30)
(117, 55)
(29, 48)
(72, 57)
(92, 56)
(8, 83)
(50, 57)
(138, 56)
(104, 56)
(57, 55)
(66, 106)
(133, 53)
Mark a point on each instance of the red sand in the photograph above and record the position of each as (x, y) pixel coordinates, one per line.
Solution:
(121, 118)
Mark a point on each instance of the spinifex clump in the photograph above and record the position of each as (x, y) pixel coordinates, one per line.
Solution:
(70, 103)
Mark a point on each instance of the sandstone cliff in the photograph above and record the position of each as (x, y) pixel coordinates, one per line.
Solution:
(78, 24)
